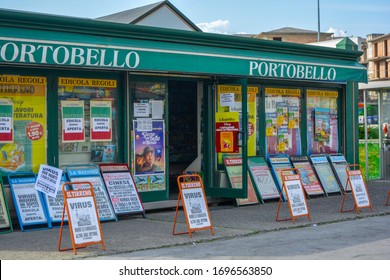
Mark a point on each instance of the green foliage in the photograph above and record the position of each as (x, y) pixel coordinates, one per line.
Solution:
(372, 132)
(373, 160)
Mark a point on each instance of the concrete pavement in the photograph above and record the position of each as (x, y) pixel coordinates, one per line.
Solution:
(134, 233)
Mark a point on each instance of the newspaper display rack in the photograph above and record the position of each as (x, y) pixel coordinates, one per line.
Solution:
(55, 205)
(339, 165)
(358, 188)
(295, 195)
(83, 218)
(122, 190)
(325, 174)
(311, 184)
(193, 199)
(90, 173)
(32, 214)
(278, 163)
(5, 218)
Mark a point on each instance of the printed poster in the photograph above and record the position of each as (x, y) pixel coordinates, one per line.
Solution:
(325, 174)
(27, 150)
(28, 201)
(227, 128)
(6, 121)
(262, 178)
(321, 124)
(4, 221)
(73, 122)
(48, 180)
(283, 139)
(296, 197)
(308, 177)
(85, 225)
(196, 208)
(359, 190)
(122, 192)
(101, 120)
(149, 156)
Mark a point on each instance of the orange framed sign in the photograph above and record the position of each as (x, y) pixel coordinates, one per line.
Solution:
(83, 218)
(295, 195)
(356, 184)
(192, 198)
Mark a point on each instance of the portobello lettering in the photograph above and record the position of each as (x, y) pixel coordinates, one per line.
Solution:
(292, 71)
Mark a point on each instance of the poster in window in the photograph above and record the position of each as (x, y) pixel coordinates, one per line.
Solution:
(101, 120)
(6, 121)
(73, 121)
(28, 147)
(227, 128)
(321, 124)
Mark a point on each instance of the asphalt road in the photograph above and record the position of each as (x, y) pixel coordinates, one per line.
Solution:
(361, 239)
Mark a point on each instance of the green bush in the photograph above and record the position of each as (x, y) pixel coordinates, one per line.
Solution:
(372, 131)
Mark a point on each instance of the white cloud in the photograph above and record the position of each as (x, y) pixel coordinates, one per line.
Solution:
(217, 26)
(337, 32)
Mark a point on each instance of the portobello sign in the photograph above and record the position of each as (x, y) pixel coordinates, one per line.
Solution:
(128, 54)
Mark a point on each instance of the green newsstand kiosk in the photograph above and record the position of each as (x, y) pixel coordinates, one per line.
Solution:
(167, 101)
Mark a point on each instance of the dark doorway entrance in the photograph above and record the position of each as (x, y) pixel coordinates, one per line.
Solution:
(183, 129)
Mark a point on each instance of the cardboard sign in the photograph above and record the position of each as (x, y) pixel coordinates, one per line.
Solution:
(28, 201)
(5, 219)
(193, 200)
(325, 174)
(84, 225)
(295, 195)
(91, 174)
(309, 179)
(55, 205)
(121, 189)
(358, 187)
(339, 164)
(262, 178)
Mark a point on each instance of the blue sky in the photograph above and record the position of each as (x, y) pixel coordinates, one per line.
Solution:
(343, 17)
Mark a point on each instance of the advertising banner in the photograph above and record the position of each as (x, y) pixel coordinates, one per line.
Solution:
(149, 155)
(6, 121)
(227, 128)
(73, 122)
(101, 120)
(26, 149)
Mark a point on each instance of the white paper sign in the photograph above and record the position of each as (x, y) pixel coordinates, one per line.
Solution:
(141, 110)
(296, 197)
(157, 109)
(196, 208)
(359, 191)
(82, 214)
(48, 180)
(226, 99)
(123, 193)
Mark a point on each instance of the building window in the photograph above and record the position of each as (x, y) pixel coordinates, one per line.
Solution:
(277, 39)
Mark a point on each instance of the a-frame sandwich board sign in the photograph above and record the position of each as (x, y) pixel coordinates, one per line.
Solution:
(90, 173)
(5, 218)
(32, 214)
(355, 184)
(55, 205)
(339, 164)
(278, 163)
(295, 195)
(83, 218)
(325, 174)
(193, 200)
(122, 190)
(310, 182)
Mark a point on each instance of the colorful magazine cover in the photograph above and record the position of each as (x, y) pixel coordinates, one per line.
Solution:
(322, 124)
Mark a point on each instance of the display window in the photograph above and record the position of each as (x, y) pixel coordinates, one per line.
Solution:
(322, 122)
(23, 122)
(148, 135)
(283, 120)
(88, 124)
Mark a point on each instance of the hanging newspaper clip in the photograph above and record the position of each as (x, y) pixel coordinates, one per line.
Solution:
(83, 217)
(356, 184)
(295, 195)
(193, 199)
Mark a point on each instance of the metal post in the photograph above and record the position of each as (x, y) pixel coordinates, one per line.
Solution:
(365, 131)
(318, 8)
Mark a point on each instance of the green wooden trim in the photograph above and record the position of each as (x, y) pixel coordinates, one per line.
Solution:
(351, 118)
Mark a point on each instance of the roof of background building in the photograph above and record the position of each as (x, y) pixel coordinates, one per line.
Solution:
(292, 30)
(133, 16)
